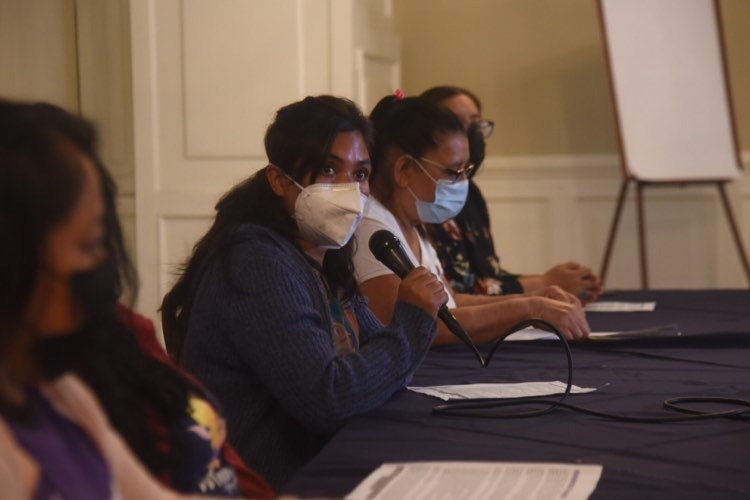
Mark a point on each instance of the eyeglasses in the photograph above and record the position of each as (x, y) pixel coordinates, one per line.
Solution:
(485, 127)
(449, 174)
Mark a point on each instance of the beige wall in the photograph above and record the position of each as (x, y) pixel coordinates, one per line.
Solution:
(736, 18)
(38, 55)
(538, 67)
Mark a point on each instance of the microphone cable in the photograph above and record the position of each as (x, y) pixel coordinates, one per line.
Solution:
(455, 327)
(495, 407)
(476, 408)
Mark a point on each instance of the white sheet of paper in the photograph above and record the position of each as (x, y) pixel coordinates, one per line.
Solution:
(531, 333)
(510, 390)
(620, 306)
(478, 481)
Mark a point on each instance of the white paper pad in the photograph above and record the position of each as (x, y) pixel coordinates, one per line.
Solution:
(478, 481)
(620, 306)
(510, 390)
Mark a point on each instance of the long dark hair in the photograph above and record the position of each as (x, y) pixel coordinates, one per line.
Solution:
(298, 142)
(40, 181)
(39, 184)
(410, 125)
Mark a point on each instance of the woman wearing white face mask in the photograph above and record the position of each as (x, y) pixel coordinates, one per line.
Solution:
(267, 313)
(328, 214)
(420, 175)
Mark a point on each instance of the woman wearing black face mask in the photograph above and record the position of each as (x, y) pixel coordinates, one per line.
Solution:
(66, 347)
(464, 243)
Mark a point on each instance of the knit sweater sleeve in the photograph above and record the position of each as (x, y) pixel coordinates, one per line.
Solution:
(407, 321)
(282, 332)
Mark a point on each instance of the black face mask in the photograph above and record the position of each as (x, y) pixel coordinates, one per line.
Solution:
(476, 146)
(96, 291)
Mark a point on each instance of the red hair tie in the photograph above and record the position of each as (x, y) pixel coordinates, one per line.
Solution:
(399, 94)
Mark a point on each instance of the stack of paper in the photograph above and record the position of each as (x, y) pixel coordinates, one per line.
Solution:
(479, 480)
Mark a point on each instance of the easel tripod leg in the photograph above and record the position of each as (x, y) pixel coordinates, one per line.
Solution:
(735, 230)
(642, 236)
(613, 229)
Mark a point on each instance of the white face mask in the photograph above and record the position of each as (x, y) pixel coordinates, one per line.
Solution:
(328, 214)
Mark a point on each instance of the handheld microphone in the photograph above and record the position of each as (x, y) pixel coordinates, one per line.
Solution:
(386, 247)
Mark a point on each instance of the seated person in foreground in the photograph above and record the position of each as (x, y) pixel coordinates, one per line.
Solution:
(81, 399)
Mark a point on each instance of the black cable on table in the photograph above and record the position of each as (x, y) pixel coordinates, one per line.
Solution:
(489, 408)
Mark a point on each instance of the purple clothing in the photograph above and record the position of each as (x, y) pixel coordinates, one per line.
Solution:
(71, 466)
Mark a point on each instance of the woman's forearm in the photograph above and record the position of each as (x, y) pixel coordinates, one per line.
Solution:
(485, 322)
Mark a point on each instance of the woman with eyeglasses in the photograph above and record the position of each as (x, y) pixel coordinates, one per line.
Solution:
(464, 243)
(420, 176)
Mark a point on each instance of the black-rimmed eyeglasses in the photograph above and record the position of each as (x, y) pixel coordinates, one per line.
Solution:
(450, 174)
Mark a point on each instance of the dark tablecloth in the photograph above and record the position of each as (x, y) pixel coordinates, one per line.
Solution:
(708, 459)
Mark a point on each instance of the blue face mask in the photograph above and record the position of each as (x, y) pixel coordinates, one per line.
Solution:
(450, 198)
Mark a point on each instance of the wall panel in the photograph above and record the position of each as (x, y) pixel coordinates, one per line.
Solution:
(223, 51)
(688, 240)
(178, 234)
(521, 240)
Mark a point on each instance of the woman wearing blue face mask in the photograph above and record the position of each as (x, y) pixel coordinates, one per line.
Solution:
(420, 175)
(267, 312)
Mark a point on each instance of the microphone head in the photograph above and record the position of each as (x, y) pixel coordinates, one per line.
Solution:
(383, 242)
(386, 247)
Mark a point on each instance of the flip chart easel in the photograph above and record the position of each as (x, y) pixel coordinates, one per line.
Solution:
(667, 75)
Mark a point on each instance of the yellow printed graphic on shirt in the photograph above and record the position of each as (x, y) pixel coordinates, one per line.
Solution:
(211, 426)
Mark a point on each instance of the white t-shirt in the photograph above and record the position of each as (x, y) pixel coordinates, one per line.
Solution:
(366, 266)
